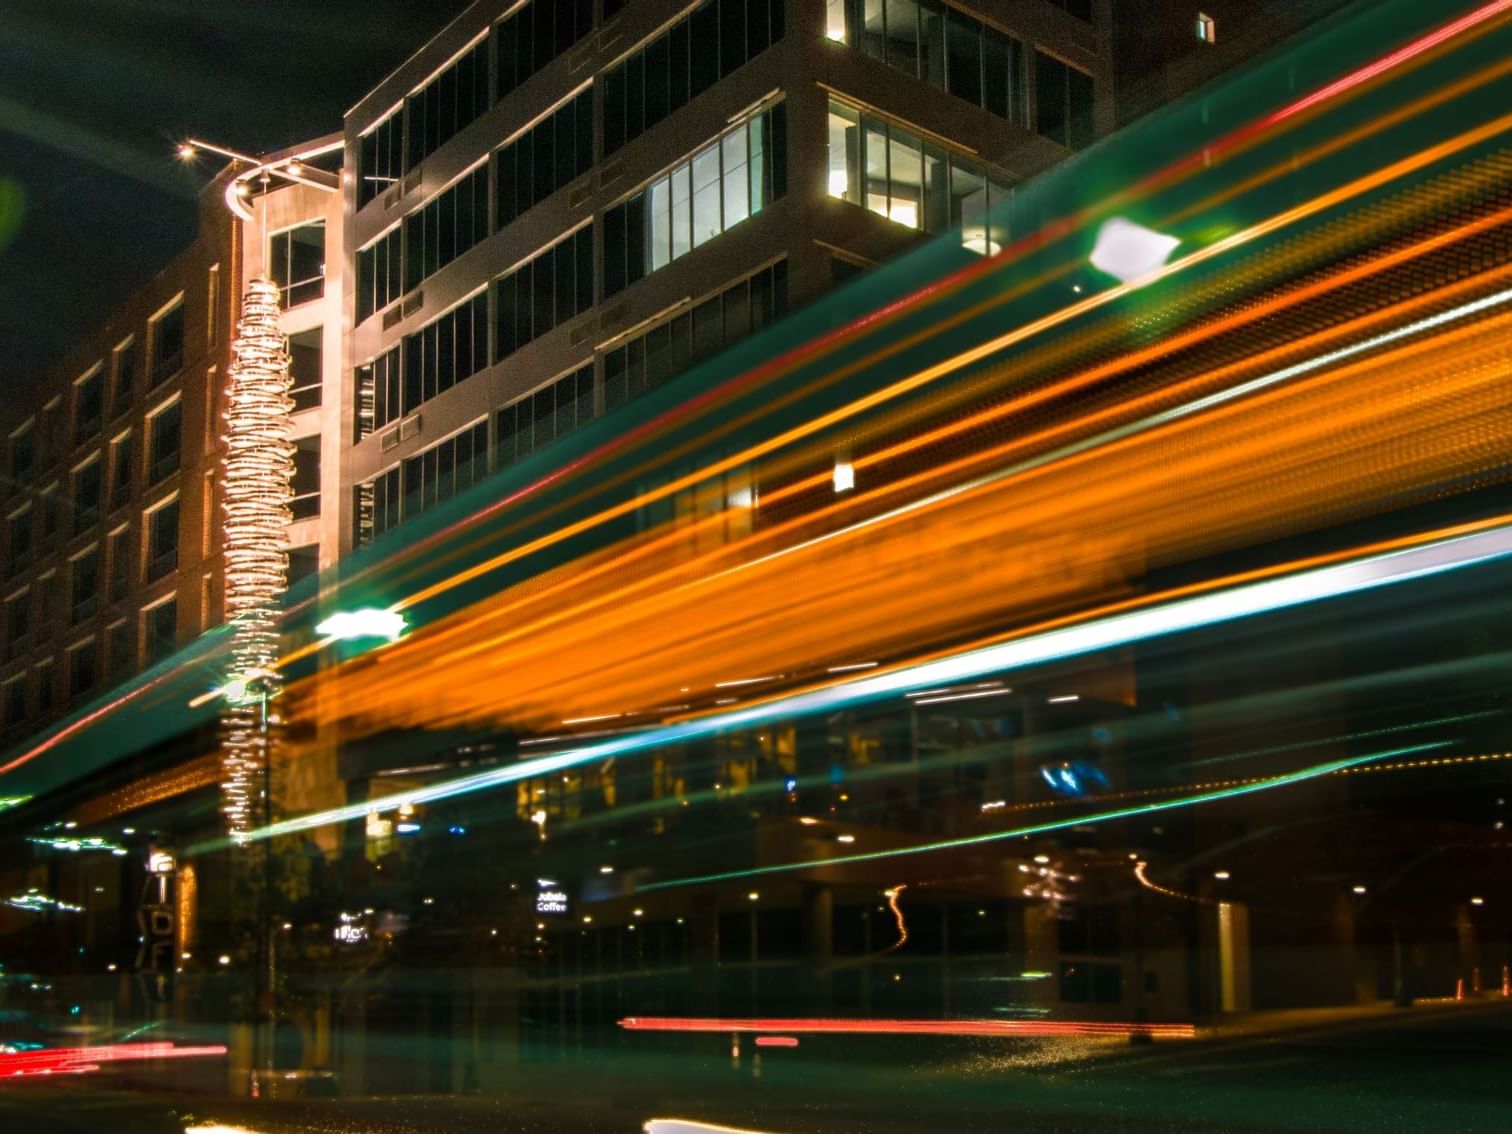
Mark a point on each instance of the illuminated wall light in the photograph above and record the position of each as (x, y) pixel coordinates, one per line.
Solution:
(844, 476)
(1221, 875)
(256, 481)
(368, 622)
(606, 870)
(224, 959)
(1359, 889)
(1129, 251)
(845, 838)
(1477, 901)
(754, 896)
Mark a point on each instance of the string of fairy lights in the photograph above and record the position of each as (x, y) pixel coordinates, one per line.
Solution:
(257, 486)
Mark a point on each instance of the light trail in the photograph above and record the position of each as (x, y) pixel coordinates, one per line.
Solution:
(1005, 1029)
(1128, 627)
(79, 1060)
(1363, 184)
(1202, 158)
(1100, 499)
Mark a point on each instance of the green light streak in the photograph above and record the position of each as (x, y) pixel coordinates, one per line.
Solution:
(1059, 824)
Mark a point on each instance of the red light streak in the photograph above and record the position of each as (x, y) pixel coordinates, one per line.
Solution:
(1006, 1029)
(776, 1041)
(79, 1060)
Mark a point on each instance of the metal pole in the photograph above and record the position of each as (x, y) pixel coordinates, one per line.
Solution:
(266, 971)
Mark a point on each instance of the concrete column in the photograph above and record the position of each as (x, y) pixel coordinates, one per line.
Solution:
(819, 940)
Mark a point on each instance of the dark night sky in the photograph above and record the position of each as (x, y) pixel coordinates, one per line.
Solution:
(93, 96)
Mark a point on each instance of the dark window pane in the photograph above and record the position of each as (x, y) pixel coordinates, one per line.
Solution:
(963, 50)
(731, 35)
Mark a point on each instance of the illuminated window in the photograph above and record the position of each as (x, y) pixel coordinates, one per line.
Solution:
(1207, 30)
(911, 181)
(729, 180)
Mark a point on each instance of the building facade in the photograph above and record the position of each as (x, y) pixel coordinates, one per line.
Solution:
(111, 553)
(553, 207)
(112, 542)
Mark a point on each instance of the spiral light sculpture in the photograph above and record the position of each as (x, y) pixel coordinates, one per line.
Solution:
(257, 487)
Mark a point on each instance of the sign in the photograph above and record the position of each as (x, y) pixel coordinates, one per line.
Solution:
(551, 900)
(157, 926)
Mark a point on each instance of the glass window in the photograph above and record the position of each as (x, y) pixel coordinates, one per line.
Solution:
(1063, 98)
(681, 180)
(709, 43)
(706, 222)
(89, 404)
(85, 584)
(297, 259)
(905, 178)
(536, 34)
(380, 158)
(81, 669)
(902, 31)
(875, 141)
(87, 490)
(305, 368)
(123, 566)
(659, 207)
(124, 384)
(160, 630)
(379, 276)
(844, 152)
(873, 29)
(444, 228)
(166, 433)
(167, 335)
(529, 300)
(121, 657)
(735, 175)
(162, 540)
(17, 622)
(23, 453)
(726, 182)
(449, 102)
(306, 479)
